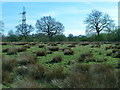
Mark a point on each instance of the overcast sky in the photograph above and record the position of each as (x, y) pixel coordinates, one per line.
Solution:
(70, 14)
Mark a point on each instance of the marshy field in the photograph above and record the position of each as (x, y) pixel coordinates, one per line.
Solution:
(60, 64)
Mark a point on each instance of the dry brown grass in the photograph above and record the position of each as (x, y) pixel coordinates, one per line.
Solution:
(36, 71)
(53, 48)
(8, 64)
(12, 51)
(24, 59)
(41, 53)
(56, 59)
(68, 52)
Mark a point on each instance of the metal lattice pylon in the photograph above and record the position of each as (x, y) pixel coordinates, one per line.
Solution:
(24, 27)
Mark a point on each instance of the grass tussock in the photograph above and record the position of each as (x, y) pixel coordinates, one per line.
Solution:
(24, 59)
(86, 57)
(41, 53)
(8, 64)
(21, 49)
(56, 73)
(5, 49)
(36, 71)
(92, 76)
(21, 70)
(56, 59)
(12, 51)
(68, 52)
(25, 83)
(6, 77)
(41, 45)
(53, 48)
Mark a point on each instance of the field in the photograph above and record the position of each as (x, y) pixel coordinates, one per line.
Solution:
(60, 65)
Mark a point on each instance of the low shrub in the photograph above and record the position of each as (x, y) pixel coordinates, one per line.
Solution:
(103, 76)
(25, 83)
(92, 76)
(53, 48)
(84, 44)
(109, 54)
(8, 64)
(41, 53)
(71, 45)
(56, 73)
(24, 59)
(21, 49)
(49, 52)
(86, 57)
(56, 59)
(12, 51)
(4, 43)
(117, 55)
(68, 52)
(67, 48)
(5, 49)
(36, 71)
(79, 77)
(53, 44)
(21, 70)
(5, 77)
(41, 45)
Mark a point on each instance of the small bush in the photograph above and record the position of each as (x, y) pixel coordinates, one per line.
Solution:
(56, 73)
(26, 45)
(103, 76)
(12, 51)
(84, 44)
(41, 46)
(49, 52)
(68, 52)
(24, 59)
(109, 54)
(67, 48)
(86, 57)
(117, 54)
(4, 43)
(36, 71)
(71, 45)
(5, 77)
(53, 48)
(79, 77)
(56, 59)
(115, 50)
(32, 43)
(5, 50)
(21, 70)
(21, 49)
(92, 76)
(25, 83)
(53, 44)
(41, 53)
(8, 64)
(83, 68)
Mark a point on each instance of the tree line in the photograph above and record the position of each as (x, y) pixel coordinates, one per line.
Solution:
(99, 27)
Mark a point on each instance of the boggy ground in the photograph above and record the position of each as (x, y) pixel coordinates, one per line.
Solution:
(60, 64)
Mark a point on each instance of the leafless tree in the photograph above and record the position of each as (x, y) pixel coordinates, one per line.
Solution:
(98, 21)
(49, 26)
(24, 30)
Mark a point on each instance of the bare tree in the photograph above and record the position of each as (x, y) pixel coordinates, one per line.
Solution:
(97, 21)
(24, 30)
(49, 26)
